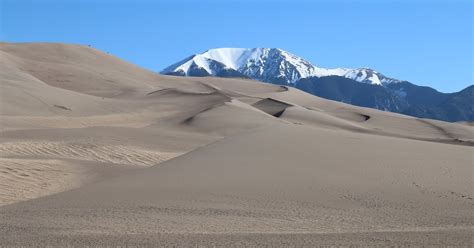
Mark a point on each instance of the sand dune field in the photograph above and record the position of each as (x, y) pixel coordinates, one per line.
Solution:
(97, 151)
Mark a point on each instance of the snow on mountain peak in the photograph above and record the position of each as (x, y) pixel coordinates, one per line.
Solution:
(265, 64)
(230, 57)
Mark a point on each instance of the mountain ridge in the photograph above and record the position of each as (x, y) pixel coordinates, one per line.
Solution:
(268, 65)
(365, 86)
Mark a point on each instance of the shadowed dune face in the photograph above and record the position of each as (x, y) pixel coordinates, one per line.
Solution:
(271, 106)
(150, 154)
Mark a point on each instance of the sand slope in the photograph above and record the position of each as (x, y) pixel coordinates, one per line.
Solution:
(115, 154)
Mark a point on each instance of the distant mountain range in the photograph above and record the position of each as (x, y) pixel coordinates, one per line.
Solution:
(362, 86)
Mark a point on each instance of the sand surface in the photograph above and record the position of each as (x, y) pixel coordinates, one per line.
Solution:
(97, 151)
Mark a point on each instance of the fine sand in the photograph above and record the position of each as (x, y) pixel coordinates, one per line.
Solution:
(97, 151)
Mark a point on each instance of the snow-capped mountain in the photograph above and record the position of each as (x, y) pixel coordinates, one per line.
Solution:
(362, 87)
(265, 64)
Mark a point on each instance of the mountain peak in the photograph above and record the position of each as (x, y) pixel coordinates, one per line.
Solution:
(273, 65)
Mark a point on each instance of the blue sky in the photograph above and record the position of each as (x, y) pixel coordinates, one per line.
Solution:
(427, 42)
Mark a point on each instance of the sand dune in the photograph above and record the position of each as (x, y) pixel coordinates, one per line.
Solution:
(97, 151)
(85, 151)
(23, 179)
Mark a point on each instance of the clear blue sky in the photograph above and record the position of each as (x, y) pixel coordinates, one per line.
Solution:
(427, 42)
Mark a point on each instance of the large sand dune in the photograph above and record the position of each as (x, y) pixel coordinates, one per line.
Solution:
(97, 151)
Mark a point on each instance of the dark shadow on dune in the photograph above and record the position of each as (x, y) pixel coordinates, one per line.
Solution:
(283, 88)
(279, 113)
(271, 106)
(61, 107)
(365, 117)
(190, 119)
